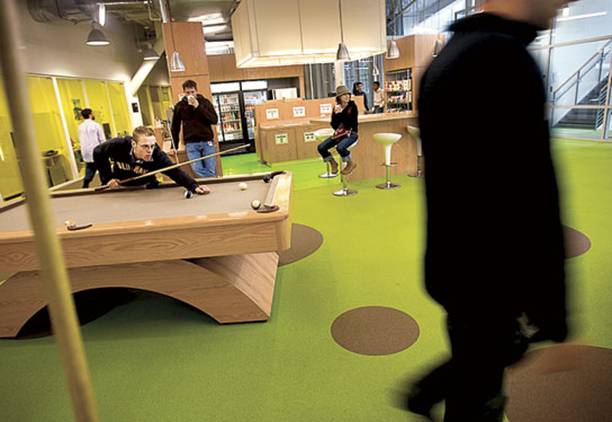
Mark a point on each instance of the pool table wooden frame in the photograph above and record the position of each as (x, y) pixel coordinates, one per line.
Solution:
(223, 264)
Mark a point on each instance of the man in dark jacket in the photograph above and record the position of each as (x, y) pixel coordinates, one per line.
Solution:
(495, 254)
(197, 114)
(122, 158)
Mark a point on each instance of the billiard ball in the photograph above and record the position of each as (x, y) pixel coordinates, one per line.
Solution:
(69, 223)
(255, 204)
(188, 194)
(242, 186)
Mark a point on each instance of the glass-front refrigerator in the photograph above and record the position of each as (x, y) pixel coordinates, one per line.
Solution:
(253, 93)
(226, 99)
(235, 105)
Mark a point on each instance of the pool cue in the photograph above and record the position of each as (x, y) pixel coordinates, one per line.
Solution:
(174, 166)
(49, 253)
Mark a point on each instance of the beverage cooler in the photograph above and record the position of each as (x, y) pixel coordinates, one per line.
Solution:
(235, 105)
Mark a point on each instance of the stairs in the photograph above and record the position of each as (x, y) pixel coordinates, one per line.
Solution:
(584, 93)
(581, 118)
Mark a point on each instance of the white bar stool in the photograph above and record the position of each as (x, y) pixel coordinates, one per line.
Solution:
(321, 135)
(415, 132)
(387, 140)
(346, 191)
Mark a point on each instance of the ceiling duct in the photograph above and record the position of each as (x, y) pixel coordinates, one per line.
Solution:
(75, 11)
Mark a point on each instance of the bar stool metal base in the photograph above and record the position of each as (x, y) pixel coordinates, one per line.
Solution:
(388, 185)
(345, 192)
(328, 174)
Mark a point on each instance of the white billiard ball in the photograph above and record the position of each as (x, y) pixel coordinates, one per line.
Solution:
(242, 186)
(255, 204)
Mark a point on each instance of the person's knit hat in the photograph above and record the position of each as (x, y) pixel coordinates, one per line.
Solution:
(341, 90)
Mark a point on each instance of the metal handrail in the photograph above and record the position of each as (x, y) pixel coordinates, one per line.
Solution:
(578, 74)
(573, 75)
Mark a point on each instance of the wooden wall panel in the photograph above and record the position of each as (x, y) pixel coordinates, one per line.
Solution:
(188, 39)
(424, 48)
(274, 152)
(223, 69)
(307, 148)
(406, 59)
(415, 54)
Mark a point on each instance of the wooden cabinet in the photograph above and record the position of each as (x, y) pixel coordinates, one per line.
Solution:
(416, 52)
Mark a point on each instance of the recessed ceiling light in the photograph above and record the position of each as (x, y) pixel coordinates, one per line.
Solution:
(213, 29)
(209, 19)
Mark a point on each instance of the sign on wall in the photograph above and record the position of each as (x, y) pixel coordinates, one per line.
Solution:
(325, 108)
(272, 113)
(281, 139)
(309, 137)
(299, 111)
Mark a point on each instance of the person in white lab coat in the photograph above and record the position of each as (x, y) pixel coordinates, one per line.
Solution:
(90, 136)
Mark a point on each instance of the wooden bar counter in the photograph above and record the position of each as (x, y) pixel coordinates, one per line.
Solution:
(287, 140)
(369, 155)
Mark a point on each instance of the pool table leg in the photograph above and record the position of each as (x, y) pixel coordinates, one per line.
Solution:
(230, 289)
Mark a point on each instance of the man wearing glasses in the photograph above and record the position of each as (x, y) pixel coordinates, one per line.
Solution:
(122, 158)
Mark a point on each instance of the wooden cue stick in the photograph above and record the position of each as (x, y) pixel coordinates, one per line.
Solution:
(54, 275)
(174, 166)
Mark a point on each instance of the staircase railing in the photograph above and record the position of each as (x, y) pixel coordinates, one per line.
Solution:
(597, 59)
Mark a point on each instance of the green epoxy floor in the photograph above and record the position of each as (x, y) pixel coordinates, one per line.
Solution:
(157, 360)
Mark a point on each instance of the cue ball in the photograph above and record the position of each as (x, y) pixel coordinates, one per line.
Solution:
(242, 186)
(188, 194)
(255, 204)
(68, 223)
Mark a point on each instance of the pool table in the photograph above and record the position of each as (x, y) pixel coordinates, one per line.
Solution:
(213, 251)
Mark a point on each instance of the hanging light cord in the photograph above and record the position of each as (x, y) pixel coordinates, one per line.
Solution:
(341, 27)
(172, 33)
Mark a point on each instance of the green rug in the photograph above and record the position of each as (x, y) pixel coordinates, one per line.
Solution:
(158, 360)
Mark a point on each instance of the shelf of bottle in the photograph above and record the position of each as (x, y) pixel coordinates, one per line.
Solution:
(230, 120)
(232, 131)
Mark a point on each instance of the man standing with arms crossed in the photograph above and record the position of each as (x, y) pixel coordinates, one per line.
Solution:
(495, 253)
(197, 115)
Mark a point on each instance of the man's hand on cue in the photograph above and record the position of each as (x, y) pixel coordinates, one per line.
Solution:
(114, 183)
(202, 190)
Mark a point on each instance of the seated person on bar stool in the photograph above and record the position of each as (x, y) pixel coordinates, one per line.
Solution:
(344, 122)
(135, 155)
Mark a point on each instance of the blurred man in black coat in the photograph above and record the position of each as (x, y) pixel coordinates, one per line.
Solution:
(495, 254)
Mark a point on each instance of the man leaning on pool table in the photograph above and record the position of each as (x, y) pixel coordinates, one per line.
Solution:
(122, 158)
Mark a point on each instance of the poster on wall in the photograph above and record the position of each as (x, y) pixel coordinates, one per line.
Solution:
(272, 113)
(299, 111)
(281, 139)
(309, 137)
(325, 108)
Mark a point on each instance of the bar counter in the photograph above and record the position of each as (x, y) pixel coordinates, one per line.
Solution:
(369, 155)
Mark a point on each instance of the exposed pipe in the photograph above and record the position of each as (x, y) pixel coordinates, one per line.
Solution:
(163, 9)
